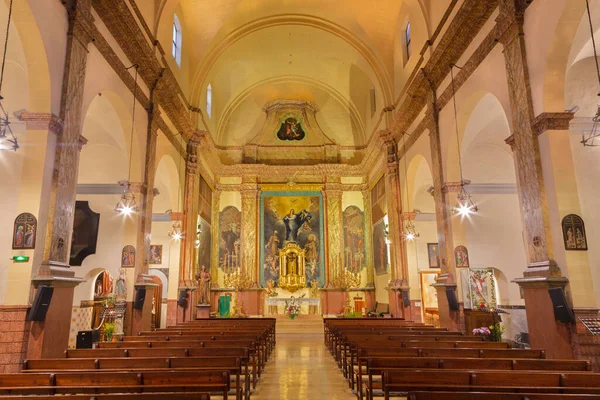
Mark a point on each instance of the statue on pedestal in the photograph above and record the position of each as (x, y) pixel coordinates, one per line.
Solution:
(204, 279)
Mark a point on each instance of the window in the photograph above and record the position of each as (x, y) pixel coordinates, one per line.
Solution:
(176, 48)
(407, 40)
(373, 101)
(209, 101)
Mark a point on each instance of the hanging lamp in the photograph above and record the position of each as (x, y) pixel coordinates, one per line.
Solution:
(589, 138)
(8, 140)
(410, 232)
(176, 232)
(127, 204)
(464, 203)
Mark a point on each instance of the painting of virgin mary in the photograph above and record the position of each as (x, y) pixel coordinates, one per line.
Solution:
(290, 130)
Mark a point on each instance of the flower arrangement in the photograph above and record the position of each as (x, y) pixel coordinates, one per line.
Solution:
(292, 310)
(109, 330)
(493, 333)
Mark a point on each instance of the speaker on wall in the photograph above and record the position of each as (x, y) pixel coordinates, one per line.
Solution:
(140, 296)
(452, 301)
(406, 298)
(562, 311)
(183, 302)
(41, 303)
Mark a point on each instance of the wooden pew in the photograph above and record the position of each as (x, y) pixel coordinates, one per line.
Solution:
(497, 396)
(119, 396)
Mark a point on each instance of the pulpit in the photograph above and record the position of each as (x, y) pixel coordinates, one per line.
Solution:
(292, 275)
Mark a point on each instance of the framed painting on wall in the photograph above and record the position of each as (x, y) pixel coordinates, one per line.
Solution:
(461, 255)
(86, 224)
(573, 230)
(24, 232)
(354, 239)
(155, 254)
(479, 288)
(433, 252)
(128, 257)
(380, 249)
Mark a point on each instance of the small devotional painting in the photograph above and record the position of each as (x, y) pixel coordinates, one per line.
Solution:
(574, 233)
(24, 231)
(156, 254)
(290, 129)
(461, 255)
(433, 251)
(380, 249)
(354, 239)
(128, 257)
(230, 220)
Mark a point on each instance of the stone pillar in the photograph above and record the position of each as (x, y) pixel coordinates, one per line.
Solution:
(50, 337)
(214, 262)
(542, 271)
(368, 239)
(191, 203)
(141, 320)
(447, 279)
(398, 283)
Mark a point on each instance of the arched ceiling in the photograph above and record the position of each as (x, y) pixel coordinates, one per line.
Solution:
(253, 52)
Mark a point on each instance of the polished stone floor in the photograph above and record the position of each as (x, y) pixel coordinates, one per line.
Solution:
(302, 368)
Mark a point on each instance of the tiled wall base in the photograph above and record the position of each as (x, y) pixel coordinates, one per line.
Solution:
(14, 336)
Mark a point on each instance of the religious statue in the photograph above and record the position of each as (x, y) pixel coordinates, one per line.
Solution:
(292, 273)
(293, 222)
(292, 264)
(314, 288)
(121, 285)
(204, 279)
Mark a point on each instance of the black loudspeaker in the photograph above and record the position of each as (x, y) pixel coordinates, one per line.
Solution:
(140, 296)
(183, 302)
(452, 301)
(41, 303)
(86, 339)
(562, 311)
(406, 298)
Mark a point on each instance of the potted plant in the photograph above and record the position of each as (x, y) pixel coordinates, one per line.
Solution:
(292, 310)
(109, 330)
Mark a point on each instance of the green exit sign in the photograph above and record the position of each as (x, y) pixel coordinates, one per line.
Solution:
(20, 259)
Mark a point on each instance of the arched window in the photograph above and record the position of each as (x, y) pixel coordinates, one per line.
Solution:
(176, 48)
(209, 101)
(407, 40)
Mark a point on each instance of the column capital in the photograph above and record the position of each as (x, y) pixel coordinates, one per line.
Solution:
(81, 142)
(551, 121)
(454, 187)
(40, 121)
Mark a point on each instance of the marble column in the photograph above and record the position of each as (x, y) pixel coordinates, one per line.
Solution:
(370, 294)
(51, 337)
(214, 262)
(542, 271)
(249, 233)
(333, 199)
(447, 280)
(398, 284)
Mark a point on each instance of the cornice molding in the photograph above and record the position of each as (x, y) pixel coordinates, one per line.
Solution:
(40, 121)
(552, 121)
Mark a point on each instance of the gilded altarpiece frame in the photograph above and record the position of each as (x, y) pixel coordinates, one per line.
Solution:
(292, 216)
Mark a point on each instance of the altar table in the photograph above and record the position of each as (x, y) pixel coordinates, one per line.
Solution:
(273, 304)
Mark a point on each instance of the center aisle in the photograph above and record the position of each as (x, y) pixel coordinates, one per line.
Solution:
(301, 367)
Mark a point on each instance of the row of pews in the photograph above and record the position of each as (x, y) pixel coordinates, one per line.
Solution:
(393, 358)
(203, 359)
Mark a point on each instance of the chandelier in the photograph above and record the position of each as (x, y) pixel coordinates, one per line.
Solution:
(409, 232)
(8, 140)
(464, 203)
(127, 204)
(589, 138)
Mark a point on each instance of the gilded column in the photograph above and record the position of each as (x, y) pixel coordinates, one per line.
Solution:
(69, 142)
(147, 193)
(368, 238)
(542, 272)
(214, 261)
(392, 188)
(191, 199)
(249, 233)
(333, 197)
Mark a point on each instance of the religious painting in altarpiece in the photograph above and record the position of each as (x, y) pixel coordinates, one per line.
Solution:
(380, 248)
(204, 245)
(230, 220)
(291, 217)
(354, 239)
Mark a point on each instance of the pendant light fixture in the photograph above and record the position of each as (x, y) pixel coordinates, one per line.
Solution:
(8, 140)
(127, 204)
(589, 138)
(176, 232)
(464, 204)
(410, 232)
